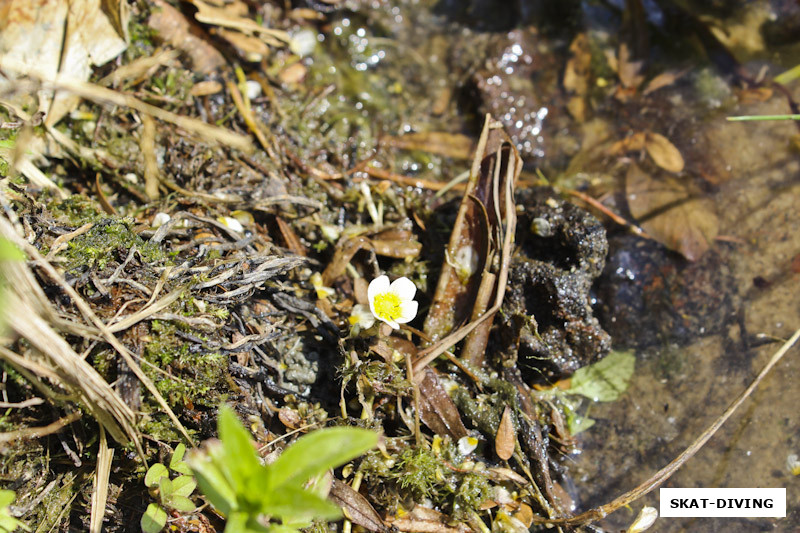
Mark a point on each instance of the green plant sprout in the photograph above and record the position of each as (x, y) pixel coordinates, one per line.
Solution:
(170, 493)
(7, 521)
(253, 496)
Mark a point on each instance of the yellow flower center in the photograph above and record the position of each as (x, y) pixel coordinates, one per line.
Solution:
(387, 306)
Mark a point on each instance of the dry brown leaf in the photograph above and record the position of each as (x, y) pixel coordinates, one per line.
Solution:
(663, 152)
(669, 212)
(176, 30)
(235, 19)
(632, 143)
(425, 520)
(60, 37)
(505, 440)
(248, 47)
(356, 507)
(436, 409)
(663, 80)
(628, 70)
(453, 145)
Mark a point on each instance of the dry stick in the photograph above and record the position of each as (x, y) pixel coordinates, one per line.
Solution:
(662, 475)
(35, 433)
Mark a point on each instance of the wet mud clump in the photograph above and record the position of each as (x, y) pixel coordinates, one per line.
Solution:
(548, 328)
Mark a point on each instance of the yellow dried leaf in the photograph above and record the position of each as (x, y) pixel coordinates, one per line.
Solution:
(663, 152)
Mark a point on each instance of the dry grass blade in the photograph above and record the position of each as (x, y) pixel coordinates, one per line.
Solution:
(103, 95)
(22, 280)
(100, 493)
(662, 475)
(68, 368)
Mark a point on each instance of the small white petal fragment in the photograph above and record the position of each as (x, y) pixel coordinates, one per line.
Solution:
(159, 220)
(793, 464)
(646, 518)
(392, 303)
(231, 223)
(322, 291)
(467, 445)
(303, 42)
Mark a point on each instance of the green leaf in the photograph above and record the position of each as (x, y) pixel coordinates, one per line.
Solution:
(6, 498)
(183, 485)
(9, 252)
(297, 506)
(318, 451)
(180, 503)
(605, 380)
(576, 423)
(242, 461)
(154, 474)
(154, 519)
(212, 482)
(244, 523)
(176, 462)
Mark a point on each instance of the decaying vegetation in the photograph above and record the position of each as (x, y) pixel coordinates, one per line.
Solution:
(199, 218)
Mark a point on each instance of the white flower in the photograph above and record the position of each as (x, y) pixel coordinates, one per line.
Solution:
(393, 304)
(361, 316)
(467, 445)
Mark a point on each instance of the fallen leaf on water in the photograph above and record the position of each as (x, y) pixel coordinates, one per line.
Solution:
(670, 213)
(504, 442)
(663, 80)
(605, 380)
(663, 152)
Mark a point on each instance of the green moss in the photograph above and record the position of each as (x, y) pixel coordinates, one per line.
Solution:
(76, 210)
(100, 245)
(429, 473)
(189, 375)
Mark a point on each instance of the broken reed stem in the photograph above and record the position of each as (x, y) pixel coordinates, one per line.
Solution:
(662, 475)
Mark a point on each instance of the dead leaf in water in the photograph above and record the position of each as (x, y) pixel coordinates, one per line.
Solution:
(505, 442)
(669, 212)
(663, 152)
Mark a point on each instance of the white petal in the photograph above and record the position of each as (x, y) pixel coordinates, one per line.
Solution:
(376, 287)
(392, 323)
(408, 310)
(404, 288)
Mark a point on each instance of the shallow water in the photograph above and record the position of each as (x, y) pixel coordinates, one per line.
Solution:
(705, 339)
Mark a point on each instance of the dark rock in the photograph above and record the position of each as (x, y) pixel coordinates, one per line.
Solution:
(547, 327)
